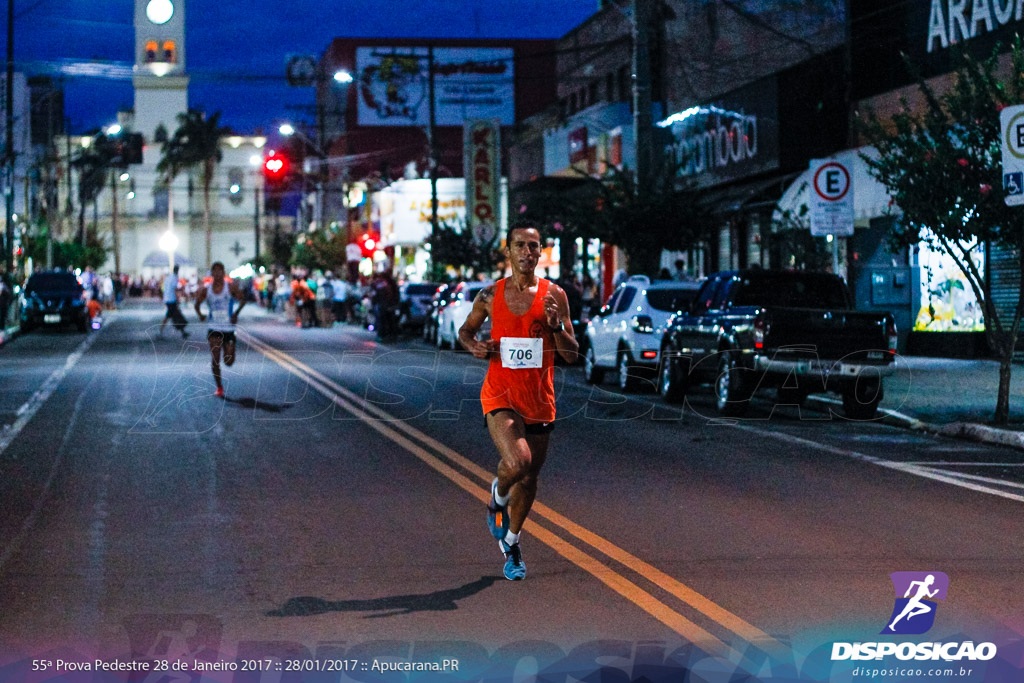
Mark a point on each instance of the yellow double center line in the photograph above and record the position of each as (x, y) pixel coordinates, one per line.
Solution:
(413, 440)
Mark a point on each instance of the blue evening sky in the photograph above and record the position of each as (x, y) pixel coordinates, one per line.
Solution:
(236, 49)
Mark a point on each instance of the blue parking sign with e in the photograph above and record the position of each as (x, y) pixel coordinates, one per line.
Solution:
(1013, 183)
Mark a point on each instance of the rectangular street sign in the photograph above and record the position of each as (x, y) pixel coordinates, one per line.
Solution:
(1011, 124)
(831, 202)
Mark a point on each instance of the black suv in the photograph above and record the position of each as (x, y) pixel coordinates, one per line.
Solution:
(53, 298)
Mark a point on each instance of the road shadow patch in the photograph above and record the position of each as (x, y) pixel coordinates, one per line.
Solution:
(439, 601)
(254, 404)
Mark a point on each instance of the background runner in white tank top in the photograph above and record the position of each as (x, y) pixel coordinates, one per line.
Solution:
(221, 307)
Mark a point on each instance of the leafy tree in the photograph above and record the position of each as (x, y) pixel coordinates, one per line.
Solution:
(321, 250)
(195, 144)
(644, 221)
(943, 169)
(93, 164)
(567, 214)
(455, 246)
(69, 254)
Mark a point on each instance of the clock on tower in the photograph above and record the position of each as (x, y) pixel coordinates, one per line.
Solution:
(159, 11)
(160, 80)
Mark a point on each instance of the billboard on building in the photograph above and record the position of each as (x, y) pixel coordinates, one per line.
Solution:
(469, 83)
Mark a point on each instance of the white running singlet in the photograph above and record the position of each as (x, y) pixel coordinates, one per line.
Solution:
(221, 307)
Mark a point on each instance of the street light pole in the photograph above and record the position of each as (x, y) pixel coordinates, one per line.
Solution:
(642, 119)
(432, 142)
(113, 220)
(9, 143)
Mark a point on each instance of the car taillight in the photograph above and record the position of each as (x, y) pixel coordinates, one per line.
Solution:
(890, 332)
(762, 326)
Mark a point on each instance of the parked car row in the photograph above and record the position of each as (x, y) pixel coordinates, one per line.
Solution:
(741, 331)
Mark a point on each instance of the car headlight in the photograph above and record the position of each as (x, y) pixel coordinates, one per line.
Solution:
(78, 302)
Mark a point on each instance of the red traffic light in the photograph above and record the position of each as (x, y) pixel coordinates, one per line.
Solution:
(368, 244)
(275, 167)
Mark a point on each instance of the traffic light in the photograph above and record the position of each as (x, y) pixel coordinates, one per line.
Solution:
(275, 168)
(368, 243)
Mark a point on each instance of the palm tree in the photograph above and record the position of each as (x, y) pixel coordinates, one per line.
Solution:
(92, 163)
(196, 143)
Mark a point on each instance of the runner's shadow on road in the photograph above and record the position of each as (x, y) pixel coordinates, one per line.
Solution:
(253, 404)
(441, 601)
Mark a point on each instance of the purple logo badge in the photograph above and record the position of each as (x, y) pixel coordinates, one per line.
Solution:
(916, 595)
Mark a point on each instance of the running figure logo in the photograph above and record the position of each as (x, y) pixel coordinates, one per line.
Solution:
(914, 612)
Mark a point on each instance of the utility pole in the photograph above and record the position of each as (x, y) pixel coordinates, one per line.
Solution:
(642, 119)
(256, 217)
(9, 143)
(432, 143)
(113, 220)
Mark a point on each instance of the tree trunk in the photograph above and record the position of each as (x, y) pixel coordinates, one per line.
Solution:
(1007, 345)
(1002, 416)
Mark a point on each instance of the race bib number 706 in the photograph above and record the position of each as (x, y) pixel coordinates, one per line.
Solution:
(518, 353)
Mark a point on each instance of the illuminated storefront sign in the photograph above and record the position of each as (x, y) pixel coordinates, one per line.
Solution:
(482, 164)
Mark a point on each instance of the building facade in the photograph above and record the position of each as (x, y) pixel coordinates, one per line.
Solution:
(742, 96)
(136, 207)
(394, 126)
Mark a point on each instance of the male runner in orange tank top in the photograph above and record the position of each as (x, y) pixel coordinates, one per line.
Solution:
(529, 322)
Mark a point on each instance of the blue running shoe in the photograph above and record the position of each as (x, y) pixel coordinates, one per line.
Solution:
(497, 515)
(515, 568)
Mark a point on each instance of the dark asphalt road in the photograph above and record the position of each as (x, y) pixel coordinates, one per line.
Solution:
(332, 505)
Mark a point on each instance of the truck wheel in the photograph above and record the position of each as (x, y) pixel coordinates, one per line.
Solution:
(861, 399)
(732, 399)
(673, 378)
(629, 380)
(591, 373)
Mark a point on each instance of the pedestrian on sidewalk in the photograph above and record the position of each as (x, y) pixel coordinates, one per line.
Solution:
(303, 299)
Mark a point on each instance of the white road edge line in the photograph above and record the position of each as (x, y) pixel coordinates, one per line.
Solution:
(28, 409)
(908, 468)
(978, 477)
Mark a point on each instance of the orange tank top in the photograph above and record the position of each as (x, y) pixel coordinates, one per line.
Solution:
(528, 391)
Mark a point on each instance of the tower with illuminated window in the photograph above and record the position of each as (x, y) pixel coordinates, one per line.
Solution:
(161, 84)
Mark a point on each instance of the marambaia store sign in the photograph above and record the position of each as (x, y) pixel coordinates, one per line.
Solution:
(729, 139)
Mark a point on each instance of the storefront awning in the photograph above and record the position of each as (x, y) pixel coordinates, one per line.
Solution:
(870, 198)
(158, 259)
(736, 197)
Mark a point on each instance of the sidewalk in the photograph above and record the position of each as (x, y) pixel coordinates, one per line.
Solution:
(951, 397)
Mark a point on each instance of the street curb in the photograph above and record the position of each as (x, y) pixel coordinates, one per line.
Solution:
(967, 431)
(977, 432)
(9, 334)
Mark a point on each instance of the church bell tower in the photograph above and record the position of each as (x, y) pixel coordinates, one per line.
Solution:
(161, 84)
